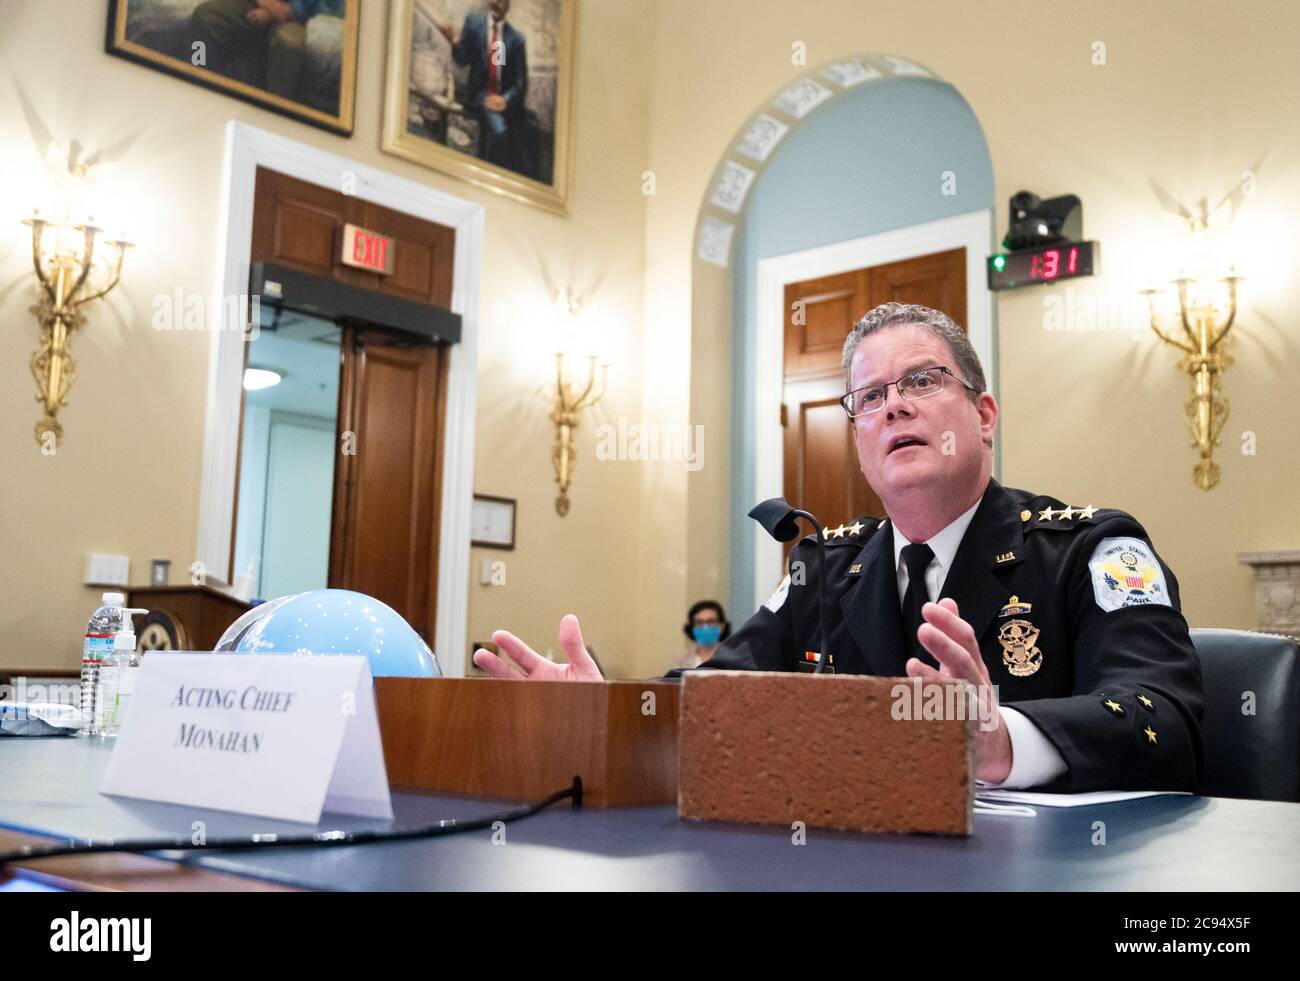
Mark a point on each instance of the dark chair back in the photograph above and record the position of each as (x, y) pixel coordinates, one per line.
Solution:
(1252, 746)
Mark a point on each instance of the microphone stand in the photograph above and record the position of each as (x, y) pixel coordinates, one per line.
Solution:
(778, 518)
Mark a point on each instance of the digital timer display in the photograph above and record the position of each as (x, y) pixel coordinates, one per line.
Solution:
(1009, 270)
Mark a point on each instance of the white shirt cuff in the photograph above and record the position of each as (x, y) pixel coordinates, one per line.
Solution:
(1034, 760)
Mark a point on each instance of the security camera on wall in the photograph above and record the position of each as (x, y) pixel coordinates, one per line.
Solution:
(1043, 243)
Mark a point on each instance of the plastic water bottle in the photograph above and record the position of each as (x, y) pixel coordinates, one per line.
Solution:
(96, 656)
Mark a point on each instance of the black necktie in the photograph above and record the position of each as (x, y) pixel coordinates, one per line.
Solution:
(917, 559)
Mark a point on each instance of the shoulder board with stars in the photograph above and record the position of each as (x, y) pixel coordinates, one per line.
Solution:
(855, 533)
(1047, 513)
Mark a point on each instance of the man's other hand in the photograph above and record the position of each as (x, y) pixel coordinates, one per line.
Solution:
(530, 666)
(496, 102)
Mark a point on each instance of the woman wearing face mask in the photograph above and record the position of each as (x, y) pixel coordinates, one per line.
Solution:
(707, 627)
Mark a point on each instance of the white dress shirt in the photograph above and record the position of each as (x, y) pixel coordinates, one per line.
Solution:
(1034, 760)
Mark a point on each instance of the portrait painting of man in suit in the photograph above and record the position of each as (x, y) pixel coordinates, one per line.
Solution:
(486, 80)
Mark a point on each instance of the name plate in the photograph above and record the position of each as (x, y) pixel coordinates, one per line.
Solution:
(267, 734)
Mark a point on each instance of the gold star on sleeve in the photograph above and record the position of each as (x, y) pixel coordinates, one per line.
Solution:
(1087, 512)
(1146, 701)
(1066, 512)
(1114, 706)
(1151, 735)
(1045, 514)
(855, 528)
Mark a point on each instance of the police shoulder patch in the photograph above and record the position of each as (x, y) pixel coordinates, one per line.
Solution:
(777, 599)
(1125, 573)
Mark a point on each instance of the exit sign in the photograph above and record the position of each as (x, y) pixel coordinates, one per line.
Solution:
(367, 250)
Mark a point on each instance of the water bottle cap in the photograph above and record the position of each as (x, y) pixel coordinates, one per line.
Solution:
(114, 599)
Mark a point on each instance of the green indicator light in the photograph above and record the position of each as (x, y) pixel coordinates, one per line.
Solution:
(999, 262)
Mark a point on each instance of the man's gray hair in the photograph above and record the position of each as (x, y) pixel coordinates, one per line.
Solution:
(936, 321)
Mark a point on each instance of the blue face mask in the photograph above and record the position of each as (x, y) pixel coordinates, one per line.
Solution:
(706, 635)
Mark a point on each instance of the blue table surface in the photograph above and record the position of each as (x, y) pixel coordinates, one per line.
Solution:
(49, 786)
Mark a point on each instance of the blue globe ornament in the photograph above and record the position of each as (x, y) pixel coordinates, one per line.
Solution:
(333, 621)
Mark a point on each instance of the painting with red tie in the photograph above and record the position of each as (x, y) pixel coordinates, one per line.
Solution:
(480, 89)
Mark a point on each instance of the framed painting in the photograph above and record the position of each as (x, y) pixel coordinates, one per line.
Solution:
(483, 90)
(294, 57)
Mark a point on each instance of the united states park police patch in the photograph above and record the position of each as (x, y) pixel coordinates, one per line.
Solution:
(778, 598)
(1125, 573)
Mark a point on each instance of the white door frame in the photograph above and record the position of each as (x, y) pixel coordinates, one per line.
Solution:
(973, 230)
(246, 149)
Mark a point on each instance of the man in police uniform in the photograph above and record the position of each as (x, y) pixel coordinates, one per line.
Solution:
(1064, 617)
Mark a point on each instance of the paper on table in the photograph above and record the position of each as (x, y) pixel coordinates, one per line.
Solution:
(1071, 800)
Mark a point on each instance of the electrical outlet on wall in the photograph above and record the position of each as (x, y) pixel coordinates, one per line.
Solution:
(108, 570)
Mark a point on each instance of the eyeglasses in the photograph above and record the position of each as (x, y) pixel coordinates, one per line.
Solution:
(914, 385)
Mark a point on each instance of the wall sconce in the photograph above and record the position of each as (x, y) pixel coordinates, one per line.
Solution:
(1205, 323)
(572, 395)
(577, 386)
(63, 252)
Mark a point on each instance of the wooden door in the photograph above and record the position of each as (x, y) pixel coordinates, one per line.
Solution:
(821, 461)
(384, 541)
(387, 489)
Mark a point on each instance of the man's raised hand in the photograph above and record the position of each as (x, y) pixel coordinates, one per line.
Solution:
(528, 665)
(952, 642)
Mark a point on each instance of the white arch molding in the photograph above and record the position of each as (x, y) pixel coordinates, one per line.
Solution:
(246, 149)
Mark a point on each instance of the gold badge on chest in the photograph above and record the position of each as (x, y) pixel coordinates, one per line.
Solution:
(1019, 653)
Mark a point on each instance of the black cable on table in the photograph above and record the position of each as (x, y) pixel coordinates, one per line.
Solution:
(319, 839)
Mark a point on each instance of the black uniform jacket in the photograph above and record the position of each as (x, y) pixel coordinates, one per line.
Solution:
(1078, 621)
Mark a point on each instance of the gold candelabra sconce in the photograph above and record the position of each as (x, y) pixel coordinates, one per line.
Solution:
(573, 393)
(1206, 312)
(64, 254)
(579, 384)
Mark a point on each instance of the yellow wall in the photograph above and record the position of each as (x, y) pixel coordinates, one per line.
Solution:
(141, 393)
(1191, 95)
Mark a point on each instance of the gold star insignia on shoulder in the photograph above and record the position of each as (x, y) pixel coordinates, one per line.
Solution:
(1026, 515)
(1146, 701)
(1088, 512)
(855, 528)
(1045, 514)
(1066, 512)
(1114, 706)
(1151, 735)
(826, 533)
(838, 532)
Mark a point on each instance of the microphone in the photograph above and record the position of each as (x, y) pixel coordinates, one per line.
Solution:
(780, 520)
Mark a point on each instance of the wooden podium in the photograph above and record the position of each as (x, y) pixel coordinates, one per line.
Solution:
(524, 740)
